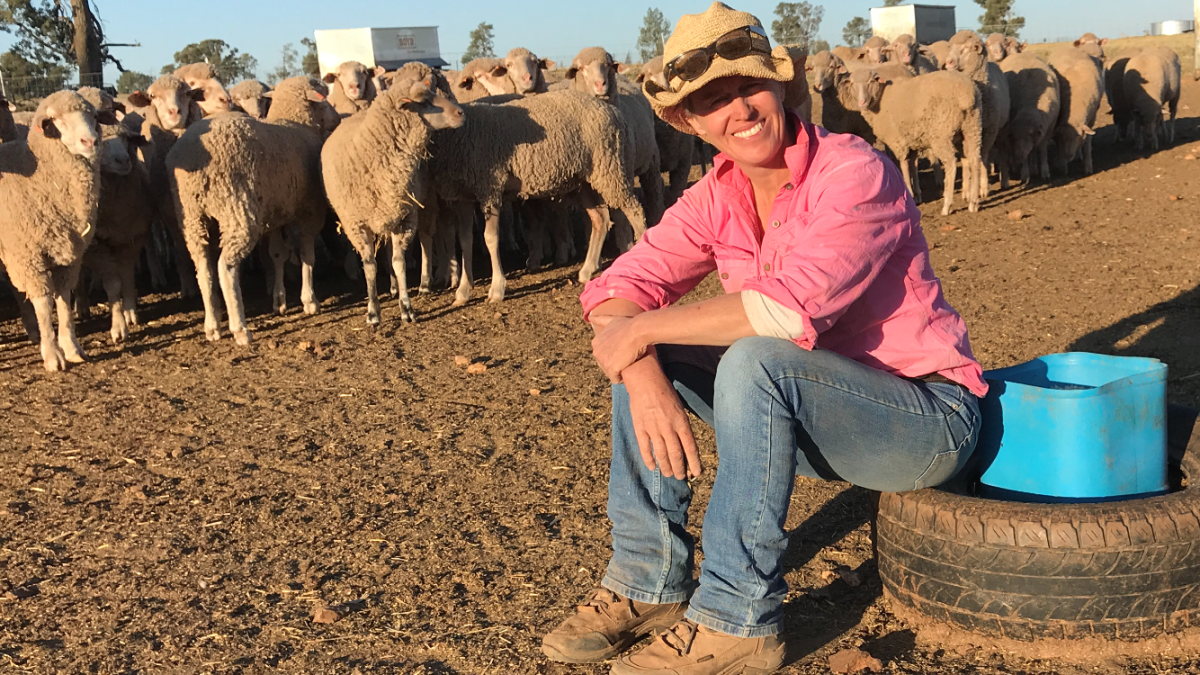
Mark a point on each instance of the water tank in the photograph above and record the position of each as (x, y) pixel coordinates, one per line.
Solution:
(1172, 27)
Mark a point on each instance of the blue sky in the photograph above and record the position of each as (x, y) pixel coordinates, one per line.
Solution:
(558, 30)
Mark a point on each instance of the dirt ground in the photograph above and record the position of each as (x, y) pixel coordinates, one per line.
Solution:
(178, 506)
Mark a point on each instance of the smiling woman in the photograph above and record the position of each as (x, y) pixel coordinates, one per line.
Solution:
(833, 354)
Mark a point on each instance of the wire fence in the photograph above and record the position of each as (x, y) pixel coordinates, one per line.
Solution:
(41, 86)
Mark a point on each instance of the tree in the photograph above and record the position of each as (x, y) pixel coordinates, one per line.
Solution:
(310, 64)
(481, 44)
(131, 81)
(230, 67)
(998, 18)
(856, 32)
(819, 46)
(653, 35)
(289, 66)
(891, 3)
(28, 79)
(798, 23)
(54, 33)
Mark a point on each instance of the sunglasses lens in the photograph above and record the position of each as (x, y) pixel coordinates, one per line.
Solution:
(733, 45)
(691, 64)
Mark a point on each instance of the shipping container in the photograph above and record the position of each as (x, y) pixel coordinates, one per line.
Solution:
(927, 23)
(387, 47)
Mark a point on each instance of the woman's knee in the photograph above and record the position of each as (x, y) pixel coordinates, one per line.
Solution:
(752, 358)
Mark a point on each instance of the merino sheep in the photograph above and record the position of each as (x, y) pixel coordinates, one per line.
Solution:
(541, 146)
(123, 221)
(905, 51)
(371, 166)
(1092, 46)
(1081, 87)
(8, 127)
(240, 178)
(249, 97)
(525, 70)
(968, 55)
(352, 87)
(1033, 87)
(480, 78)
(203, 76)
(675, 148)
(936, 52)
(839, 108)
(997, 47)
(49, 199)
(937, 114)
(171, 107)
(875, 50)
(1114, 89)
(594, 72)
(1152, 83)
(854, 57)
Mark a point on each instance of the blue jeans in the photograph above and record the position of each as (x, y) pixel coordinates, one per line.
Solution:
(778, 411)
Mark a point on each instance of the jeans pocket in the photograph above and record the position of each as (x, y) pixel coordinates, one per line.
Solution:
(941, 469)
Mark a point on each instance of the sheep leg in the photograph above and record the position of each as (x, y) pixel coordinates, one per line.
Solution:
(52, 355)
(950, 161)
(426, 227)
(491, 237)
(83, 303)
(464, 225)
(533, 217)
(905, 169)
(277, 250)
(204, 279)
(308, 259)
(28, 317)
(560, 233)
(387, 253)
(652, 197)
(129, 288)
(1087, 155)
(1044, 160)
(231, 288)
(600, 224)
(366, 250)
(116, 303)
(400, 243)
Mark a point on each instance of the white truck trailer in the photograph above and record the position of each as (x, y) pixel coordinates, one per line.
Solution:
(387, 47)
(927, 23)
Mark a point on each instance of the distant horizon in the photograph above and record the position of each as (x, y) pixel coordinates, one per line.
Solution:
(555, 32)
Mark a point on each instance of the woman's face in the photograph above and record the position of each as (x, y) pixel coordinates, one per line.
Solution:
(742, 117)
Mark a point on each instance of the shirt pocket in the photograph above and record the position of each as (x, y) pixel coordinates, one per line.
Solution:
(790, 239)
(734, 265)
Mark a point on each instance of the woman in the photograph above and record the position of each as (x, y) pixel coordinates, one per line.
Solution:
(832, 354)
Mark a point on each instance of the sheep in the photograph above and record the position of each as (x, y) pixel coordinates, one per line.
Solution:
(874, 50)
(853, 58)
(8, 127)
(535, 147)
(997, 47)
(248, 97)
(936, 52)
(49, 199)
(905, 51)
(1092, 46)
(525, 71)
(1035, 109)
(1152, 82)
(243, 178)
(594, 72)
(675, 148)
(124, 216)
(372, 166)
(839, 110)
(203, 76)
(938, 114)
(1114, 89)
(171, 107)
(968, 55)
(1081, 86)
(352, 87)
(479, 78)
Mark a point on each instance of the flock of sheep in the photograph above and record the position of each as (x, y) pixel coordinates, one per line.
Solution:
(190, 174)
(985, 102)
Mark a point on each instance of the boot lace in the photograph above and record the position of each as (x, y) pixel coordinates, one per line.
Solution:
(680, 636)
(601, 601)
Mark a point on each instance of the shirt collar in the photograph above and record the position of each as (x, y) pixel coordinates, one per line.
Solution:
(798, 157)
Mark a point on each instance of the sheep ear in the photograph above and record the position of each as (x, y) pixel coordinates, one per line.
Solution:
(196, 95)
(47, 126)
(546, 64)
(1103, 41)
(571, 72)
(466, 83)
(268, 94)
(118, 106)
(106, 117)
(861, 56)
(639, 78)
(621, 67)
(808, 68)
(380, 70)
(499, 70)
(1079, 42)
(329, 78)
(314, 95)
(139, 99)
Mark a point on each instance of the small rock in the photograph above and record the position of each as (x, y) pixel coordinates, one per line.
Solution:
(462, 361)
(1190, 157)
(1016, 215)
(1173, 198)
(177, 453)
(498, 315)
(849, 661)
(272, 344)
(535, 392)
(828, 576)
(327, 615)
(477, 368)
(136, 492)
(304, 346)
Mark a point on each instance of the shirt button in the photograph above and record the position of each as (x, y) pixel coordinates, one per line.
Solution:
(787, 187)
(767, 267)
(724, 275)
(774, 223)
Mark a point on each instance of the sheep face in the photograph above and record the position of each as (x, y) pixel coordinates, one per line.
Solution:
(487, 73)
(252, 105)
(653, 71)
(354, 78)
(875, 50)
(997, 48)
(171, 99)
(903, 50)
(435, 108)
(867, 87)
(77, 129)
(595, 72)
(967, 56)
(525, 69)
(216, 99)
(118, 154)
(826, 69)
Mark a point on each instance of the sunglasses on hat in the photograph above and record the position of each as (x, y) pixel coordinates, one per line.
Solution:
(735, 44)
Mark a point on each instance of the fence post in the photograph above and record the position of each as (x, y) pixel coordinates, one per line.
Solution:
(1196, 36)
(3, 91)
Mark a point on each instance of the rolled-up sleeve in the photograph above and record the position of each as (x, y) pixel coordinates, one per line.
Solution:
(860, 216)
(667, 263)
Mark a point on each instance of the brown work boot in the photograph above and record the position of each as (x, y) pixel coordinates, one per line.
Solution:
(690, 649)
(605, 625)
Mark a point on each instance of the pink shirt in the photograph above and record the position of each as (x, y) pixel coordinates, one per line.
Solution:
(844, 249)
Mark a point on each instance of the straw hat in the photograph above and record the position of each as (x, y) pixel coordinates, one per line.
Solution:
(701, 30)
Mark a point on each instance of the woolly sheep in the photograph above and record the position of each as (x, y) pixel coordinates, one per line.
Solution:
(1081, 86)
(8, 127)
(927, 115)
(1152, 83)
(525, 71)
(936, 52)
(248, 97)
(968, 56)
(997, 47)
(594, 71)
(853, 58)
(839, 111)
(675, 148)
(541, 146)
(874, 50)
(1035, 109)
(171, 107)
(203, 77)
(123, 220)
(1092, 46)
(236, 178)
(480, 78)
(1114, 89)
(49, 198)
(352, 87)
(905, 51)
(370, 166)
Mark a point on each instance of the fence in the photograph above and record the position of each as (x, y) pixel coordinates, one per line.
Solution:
(41, 86)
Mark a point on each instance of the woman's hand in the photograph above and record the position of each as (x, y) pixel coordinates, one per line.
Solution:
(664, 434)
(616, 345)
